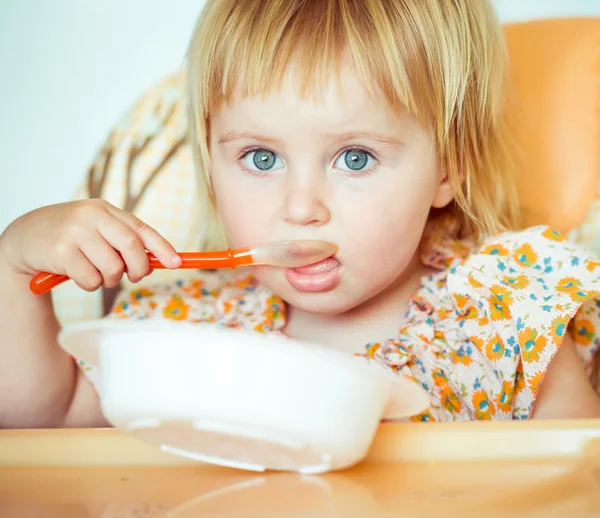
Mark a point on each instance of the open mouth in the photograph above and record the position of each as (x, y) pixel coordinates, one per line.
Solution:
(317, 277)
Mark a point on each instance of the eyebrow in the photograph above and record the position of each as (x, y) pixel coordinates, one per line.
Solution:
(231, 136)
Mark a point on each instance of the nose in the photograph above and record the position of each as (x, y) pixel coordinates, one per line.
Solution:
(305, 203)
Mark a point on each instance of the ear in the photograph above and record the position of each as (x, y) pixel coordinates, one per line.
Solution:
(443, 195)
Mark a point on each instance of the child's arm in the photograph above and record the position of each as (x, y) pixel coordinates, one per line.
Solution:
(40, 385)
(565, 391)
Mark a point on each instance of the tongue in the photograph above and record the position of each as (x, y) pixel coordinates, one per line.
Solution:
(318, 268)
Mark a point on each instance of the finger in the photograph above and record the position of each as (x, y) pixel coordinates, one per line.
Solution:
(83, 272)
(105, 258)
(124, 240)
(151, 239)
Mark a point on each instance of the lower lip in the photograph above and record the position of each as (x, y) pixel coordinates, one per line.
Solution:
(318, 277)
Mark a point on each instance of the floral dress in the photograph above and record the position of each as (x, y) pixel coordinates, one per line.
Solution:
(478, 335)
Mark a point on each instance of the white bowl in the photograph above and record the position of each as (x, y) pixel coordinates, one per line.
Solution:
(240, 399)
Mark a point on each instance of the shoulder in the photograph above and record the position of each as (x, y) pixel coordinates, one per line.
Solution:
(523, 289)
(538, 259)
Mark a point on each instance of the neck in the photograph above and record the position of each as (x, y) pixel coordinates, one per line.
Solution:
(375, 320)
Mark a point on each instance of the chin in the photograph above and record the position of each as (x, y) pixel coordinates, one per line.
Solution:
(327, 303)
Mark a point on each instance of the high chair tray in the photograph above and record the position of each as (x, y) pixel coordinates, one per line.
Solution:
(533, 468)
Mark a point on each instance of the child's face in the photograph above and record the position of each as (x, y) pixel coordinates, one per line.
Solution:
(343, 168)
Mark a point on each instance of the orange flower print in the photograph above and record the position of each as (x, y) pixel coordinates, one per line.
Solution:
(578, 296)
(141, 293)
(274, 311)
(484, 321)
(592, 265)
(461, 356)
(245, 282)
(484, 408)
(473, 282)
(121, 307)
(573, 287)
(532, 344)
(519, 378)
(425, 417)
(504, 400)
(461, 300)
(195, 288)
(470, 314)
(477, 342)
(569, 285)
(500, 302)
(525, 255)
(439, 378)
(494, 348)
(176, 309)
(583, 331)
(371, 349)
(518, 282)
(552, 234)
(495, 249)
(535, 380)
(558, 328)
(450, 400)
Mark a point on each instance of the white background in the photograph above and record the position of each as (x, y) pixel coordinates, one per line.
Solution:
(70, 68)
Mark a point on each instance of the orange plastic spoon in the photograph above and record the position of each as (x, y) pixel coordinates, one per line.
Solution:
(287, 254)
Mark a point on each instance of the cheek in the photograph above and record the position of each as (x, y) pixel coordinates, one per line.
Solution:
(246, 218)
(383, 232)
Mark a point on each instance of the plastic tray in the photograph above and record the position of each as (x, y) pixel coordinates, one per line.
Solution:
(533, 468)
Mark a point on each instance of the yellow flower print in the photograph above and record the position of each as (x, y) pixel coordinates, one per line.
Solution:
(518, 282)
(532, 344)
(484, 408)
(495, 249)
(552, 234)
(484, 321)
(558, 328)
(500, 302)
(525, 255)
(535, 380)
(176, 309)
(583, 331)
(494, 348)
(504, 400)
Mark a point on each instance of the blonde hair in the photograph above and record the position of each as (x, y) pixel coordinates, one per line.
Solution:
(441, 59)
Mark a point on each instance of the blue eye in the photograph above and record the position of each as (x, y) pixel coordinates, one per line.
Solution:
(262, 161)
(354, 161)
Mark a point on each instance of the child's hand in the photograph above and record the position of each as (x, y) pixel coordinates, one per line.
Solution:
(90, 241)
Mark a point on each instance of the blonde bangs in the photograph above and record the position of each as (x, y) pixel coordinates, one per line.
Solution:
(443, 60)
